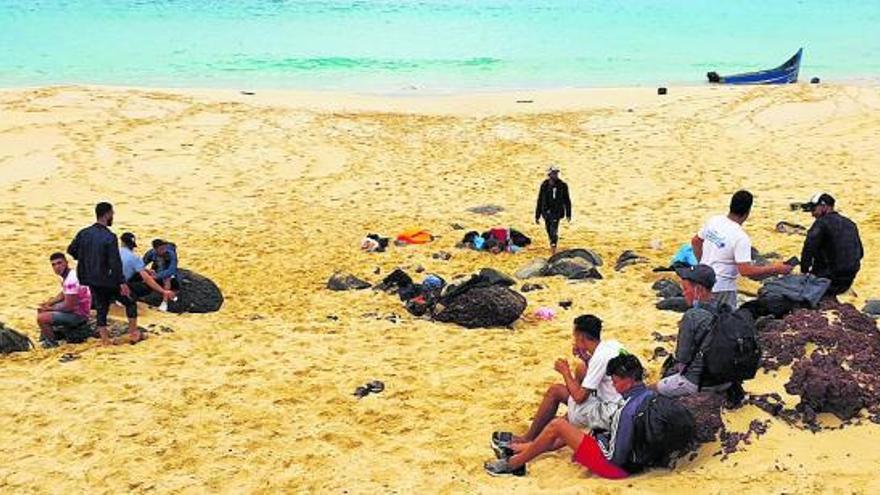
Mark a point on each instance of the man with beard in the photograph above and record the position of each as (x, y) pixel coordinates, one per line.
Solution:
(100, 268)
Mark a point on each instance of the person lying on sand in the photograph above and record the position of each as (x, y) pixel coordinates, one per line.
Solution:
(589, 393)
(604, 454)
(138, 278)
(69, 309)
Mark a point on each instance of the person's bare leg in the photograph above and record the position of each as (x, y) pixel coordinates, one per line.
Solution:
(134, 334)
(44, 320)
(555, 395)
(520, 447)
(104, 332)
(558, 430)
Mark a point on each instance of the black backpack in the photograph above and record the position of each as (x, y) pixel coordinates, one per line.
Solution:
(730, 350)
(662, 428)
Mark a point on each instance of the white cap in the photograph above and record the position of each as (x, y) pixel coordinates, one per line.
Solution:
(553, 168)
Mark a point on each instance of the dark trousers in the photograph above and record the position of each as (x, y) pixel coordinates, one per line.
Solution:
(552, 226)
(840, 283)
(103, 296)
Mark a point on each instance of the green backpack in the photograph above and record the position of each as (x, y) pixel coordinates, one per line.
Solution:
(12, 341)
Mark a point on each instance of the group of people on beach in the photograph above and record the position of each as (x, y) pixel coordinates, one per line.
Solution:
(605, 391)
(108, 270)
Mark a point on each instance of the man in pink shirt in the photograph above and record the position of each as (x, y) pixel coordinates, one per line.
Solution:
(69, 309)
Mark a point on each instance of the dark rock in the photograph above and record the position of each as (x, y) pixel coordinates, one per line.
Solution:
(814, 80)
(770, 403)
(531, 287)
(90, 329)
(343, 281)
(198, 294)
(628, 258)
(586, 254)
(457, 226)
(662, 91)
(483, 307)
(13, 340)
(420, 269)
(666, 288)
(706, 409)
(573, 268)
(790, 228)
(536, 268)
(673, 304)
(486, 209)
(442, 255)
(565, 304)
(872, 308)
(660, 352)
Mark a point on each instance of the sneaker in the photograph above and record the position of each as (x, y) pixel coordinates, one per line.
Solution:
(501, 439)
(502, 467)
(734, 395)
(163, 306)
(503, 452)
(48, 343)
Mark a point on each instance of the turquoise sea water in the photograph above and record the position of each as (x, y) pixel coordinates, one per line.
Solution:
(396, 45)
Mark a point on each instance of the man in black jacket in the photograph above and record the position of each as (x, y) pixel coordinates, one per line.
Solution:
(553, 204)
(100, 267)
(833, 248)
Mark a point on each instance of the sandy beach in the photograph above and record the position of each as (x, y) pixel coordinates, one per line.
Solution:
(269, 194)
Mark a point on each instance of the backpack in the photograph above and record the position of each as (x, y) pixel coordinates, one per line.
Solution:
(12, 341)
(74, 335)
(662, 427)
(730, 349)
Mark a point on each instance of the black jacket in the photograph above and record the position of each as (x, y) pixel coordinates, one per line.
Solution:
(97, 252)
(832, 247)
(553, 201)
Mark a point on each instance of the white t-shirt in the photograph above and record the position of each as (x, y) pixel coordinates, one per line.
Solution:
(725, 244)
(596, 379)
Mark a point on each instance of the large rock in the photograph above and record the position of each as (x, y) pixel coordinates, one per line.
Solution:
(585, 254)
(90, 329)
(628, 258)
(536, 268)
(678, 304)
(573, 268)
(13, 341)
(197, 294)
(666, 288)
(345, 281)
(483, 307)
(872, 308)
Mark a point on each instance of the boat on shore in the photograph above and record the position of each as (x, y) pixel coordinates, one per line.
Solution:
(786, 73)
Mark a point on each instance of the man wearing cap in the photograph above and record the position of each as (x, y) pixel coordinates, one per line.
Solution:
(697, 283)
(135, 271)
(833, 248)
(723, 244)
(163, 257)
(553, 204)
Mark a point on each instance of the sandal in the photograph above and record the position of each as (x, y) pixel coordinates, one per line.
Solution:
(375, 386)
(68, 357)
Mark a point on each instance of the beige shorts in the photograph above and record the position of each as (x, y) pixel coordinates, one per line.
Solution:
(593, 413)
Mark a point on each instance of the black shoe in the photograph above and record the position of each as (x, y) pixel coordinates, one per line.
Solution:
(734, 395)
(48, 343)
(501, 439)
(503, 452)
(502, 467)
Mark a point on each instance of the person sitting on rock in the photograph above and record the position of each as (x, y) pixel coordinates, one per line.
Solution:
(138, 278)
(589, 394)
(695, 325)
(69, 309)
(833, 248)
(603, 453)
(163, 258)
(724, 245)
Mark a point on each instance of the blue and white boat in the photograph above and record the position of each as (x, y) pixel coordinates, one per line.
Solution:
(786, 73)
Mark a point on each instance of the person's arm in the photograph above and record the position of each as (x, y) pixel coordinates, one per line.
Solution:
(575, 390)
(70, 303)
(151, 283)
(538, 206)
(811, 245)
(697, 244)
(756, 272)
(171, 268)
(73, 248)
(114, 261)
(566, 199)
(53, 301)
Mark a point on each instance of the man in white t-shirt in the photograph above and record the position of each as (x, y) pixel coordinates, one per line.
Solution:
(589, 393)
(724, 245)
(69, 309)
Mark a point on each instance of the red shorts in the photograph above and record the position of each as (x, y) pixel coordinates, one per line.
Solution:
(590, 456)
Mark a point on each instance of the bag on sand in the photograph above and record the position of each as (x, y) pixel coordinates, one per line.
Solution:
(730, 350)
(662, 428)
(12, 341)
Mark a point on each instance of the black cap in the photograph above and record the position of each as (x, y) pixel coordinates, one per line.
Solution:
(158, 242)
(701, 274)
(128, 239)
(817, 200)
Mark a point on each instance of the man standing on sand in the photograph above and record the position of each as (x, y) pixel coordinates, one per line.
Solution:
(100, 268)
(833, 248)
(724, 245)
(553, 204)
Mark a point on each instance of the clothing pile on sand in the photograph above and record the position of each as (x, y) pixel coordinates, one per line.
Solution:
(495, 240)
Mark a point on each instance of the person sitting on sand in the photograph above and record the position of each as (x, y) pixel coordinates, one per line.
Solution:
(138, 278)
(695, 325)
(603, 453)
(553, 204)
(724, 245)
(163, 258)
(833, 248)
(590, 396)
(69, 309)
